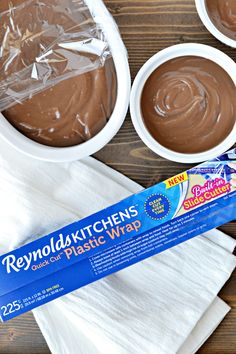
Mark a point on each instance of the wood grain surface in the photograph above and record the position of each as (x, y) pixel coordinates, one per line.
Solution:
(146, 27)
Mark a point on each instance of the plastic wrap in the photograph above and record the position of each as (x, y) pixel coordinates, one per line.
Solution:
(32, 203)
(57, 79)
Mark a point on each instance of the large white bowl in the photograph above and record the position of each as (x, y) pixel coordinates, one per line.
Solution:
(152, 64)
(203, 14)
(42, 152)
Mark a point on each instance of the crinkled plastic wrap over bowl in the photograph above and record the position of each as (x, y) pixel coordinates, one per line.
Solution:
(62, 94)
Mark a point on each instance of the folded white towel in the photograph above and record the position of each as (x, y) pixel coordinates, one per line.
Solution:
(205, 327)
(152, 307)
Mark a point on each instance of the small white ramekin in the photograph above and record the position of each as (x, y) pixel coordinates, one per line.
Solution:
(153, 63)
(46, 153)
(203, 14)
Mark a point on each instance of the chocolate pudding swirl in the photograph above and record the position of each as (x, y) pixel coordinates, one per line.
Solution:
(223, 15)
(189, 104)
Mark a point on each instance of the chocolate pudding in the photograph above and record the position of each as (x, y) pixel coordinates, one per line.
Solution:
(188, 104)
(71, 112)
(223, 15)
(79, 105)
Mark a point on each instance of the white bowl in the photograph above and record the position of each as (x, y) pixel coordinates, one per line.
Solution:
(203, 14)
(42, 152)
(161, 57)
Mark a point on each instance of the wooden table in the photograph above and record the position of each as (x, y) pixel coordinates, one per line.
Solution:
(147, 27)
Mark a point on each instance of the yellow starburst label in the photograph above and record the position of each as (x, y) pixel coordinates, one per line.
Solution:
(174, 181)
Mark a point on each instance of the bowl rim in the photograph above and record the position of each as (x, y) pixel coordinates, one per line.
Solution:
(178, 50)
(66, 154)
(210, 26)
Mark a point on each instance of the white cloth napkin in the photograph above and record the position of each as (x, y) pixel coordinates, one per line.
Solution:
(151, 307)
(205, 327)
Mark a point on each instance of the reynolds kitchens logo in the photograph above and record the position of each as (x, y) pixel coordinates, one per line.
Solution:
(110, 226)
